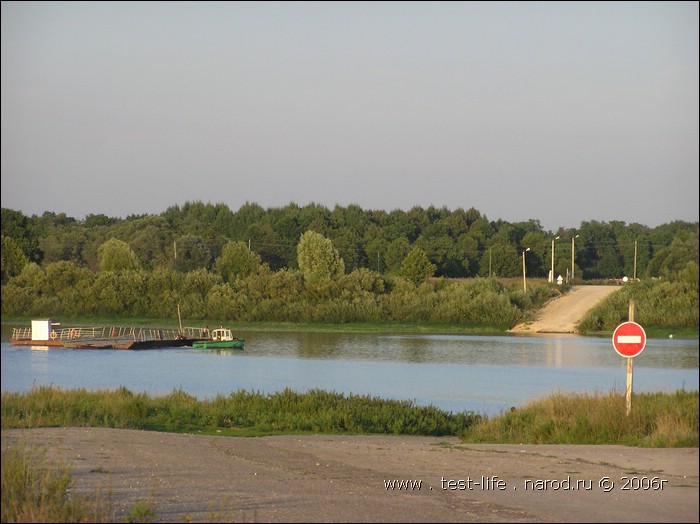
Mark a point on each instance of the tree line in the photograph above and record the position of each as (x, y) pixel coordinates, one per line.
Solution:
(313, 264)
(460, 243)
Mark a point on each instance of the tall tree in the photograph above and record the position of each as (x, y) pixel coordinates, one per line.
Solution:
(236, 261)
(116, 255)
(599, 255)
(670, 260)
(417, 267)
(13, 259)
(395, 254)
(350, 247)
(190, 253)
(15, 225)
(503, 261)
(317, 258)
(273, 249)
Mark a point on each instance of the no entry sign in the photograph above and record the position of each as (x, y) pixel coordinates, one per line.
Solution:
(629, 339)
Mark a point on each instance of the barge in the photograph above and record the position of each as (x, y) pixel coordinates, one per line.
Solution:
(45, 332)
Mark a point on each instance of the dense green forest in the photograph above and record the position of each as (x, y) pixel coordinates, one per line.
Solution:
(314, 264)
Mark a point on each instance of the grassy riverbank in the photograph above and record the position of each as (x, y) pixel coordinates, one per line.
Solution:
(237, 414)
(36, 490)
(663, 420)
(656, 419)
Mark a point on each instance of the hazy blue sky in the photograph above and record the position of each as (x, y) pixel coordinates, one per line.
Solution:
(558, 112)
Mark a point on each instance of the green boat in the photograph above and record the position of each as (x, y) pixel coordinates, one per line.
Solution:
(221, 338)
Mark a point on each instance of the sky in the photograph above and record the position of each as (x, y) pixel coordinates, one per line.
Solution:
(557, 112)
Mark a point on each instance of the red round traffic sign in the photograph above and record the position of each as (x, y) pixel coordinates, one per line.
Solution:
(629, 339)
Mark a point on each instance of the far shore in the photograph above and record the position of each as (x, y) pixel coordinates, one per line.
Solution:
(392, 328)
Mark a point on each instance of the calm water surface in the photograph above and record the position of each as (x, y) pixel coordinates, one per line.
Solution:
(454, 373)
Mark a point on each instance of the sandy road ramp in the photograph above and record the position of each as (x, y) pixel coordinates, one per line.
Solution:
(561, 314)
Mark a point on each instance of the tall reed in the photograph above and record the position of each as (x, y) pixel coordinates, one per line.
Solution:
(655, 420)
(284, 411)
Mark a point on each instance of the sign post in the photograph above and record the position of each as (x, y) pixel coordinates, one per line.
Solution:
(629, 340)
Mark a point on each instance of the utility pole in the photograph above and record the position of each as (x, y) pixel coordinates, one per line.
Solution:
(524, 280)
(572, 258)
(551, 275)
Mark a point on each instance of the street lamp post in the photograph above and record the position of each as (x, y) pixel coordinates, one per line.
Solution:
(551, 276)
(524, 281)
(572, 258)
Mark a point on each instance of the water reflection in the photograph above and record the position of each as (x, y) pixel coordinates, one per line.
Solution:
(550, 351)
(452, 372)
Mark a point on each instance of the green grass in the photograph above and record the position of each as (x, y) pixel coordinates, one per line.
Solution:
(658, 420)
(36, 490)
(239, 413)
(655, 420)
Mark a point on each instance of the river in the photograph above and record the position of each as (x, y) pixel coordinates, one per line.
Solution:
(482, 374)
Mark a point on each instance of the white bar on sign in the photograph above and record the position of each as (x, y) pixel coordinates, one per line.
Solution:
(629, 339)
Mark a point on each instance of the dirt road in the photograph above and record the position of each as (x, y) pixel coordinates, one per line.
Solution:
(339, 478)
(561, 314)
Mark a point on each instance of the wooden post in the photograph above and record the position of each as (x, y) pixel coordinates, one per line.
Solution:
(628, 394)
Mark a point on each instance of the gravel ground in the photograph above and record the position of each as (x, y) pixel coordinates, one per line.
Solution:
(561, 314)
(331, 478)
